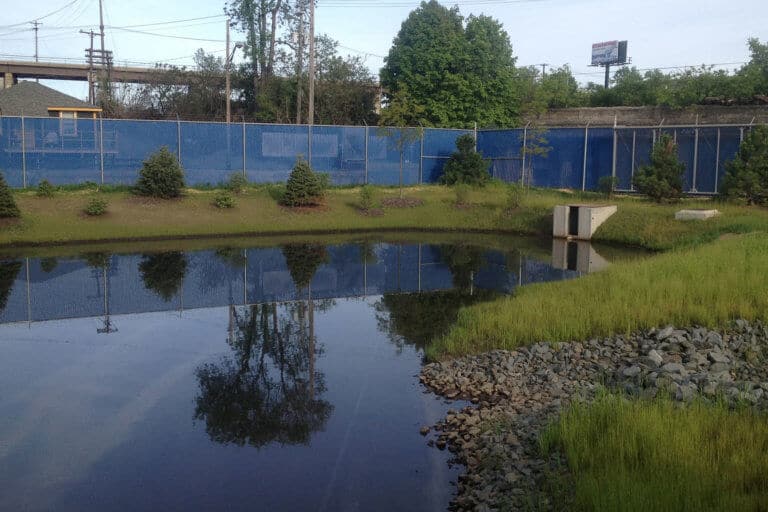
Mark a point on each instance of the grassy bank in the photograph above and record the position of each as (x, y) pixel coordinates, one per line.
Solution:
(639, 223)
(654, 455)
(706, 285)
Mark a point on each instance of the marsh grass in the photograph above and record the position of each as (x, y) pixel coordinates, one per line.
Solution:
(636, 455)
(707, 285)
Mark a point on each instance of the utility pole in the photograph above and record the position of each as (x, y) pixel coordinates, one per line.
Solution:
(36, 25)
(91, 91)
(607, 75)
(544, 70)
(299, 57)
(227, 92)
(101, 26)
(311, 113)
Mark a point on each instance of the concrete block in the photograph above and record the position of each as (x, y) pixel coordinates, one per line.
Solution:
(696, 214)
(560, 221)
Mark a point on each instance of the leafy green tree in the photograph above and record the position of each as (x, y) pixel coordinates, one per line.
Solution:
(746, 176)
(663, 178)
(454, 75)
(160, 176)
(559, 89)
(163, 273)
(465, 165)
(8, 208)
(304, 186)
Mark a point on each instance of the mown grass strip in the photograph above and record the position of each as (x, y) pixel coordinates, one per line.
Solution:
(655, 455)
(707, 286)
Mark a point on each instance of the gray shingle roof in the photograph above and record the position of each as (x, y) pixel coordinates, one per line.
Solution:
(33, 99)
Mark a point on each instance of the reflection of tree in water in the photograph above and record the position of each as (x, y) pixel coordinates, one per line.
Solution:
(268, 390)
(303, 261)
(418, 318)
(96, 260)
(48, 265)
(163, 273)
(463, 261)
(8, 272)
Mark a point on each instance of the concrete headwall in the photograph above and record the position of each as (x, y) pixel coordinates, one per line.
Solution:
(651, 116)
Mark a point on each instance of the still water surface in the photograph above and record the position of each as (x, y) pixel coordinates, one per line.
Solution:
(248, 378)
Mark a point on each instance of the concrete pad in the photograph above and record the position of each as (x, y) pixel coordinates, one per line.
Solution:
(696, 214)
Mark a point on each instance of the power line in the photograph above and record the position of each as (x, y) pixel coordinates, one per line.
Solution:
(73, 2)
(168, 35)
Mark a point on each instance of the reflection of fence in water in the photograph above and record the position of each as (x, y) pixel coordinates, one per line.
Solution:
(112, 151)
(74, 290)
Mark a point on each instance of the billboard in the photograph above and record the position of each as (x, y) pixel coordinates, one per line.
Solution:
(609, 52)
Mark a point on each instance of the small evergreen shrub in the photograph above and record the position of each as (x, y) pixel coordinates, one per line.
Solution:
(224, 200)
(237, 182)
(161, 176)
(663, 178)
(462, 194)
(607, 185)
(45, 189)
(514, 196)
(276, 191)
(8, 207)
(746, 176)
(367, 197)
(304, 187)
(465, 165)
(96, 207)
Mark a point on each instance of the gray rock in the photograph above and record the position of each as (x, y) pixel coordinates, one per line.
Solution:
(673, 368)
(654, 358)
(665, 333)
(719, 367)
(632, 371)
(718, 357)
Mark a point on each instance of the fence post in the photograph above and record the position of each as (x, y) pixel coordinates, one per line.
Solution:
(584, 159)
(695, 153)
(717, 159)
(525, 142)
(421, 154)
(632, 170)
(101, 147)
(615, 144)
(366, 154)
(309, 142)
(23, 152)
(243, 123)
(178, 138)
(741, 133)
(475, 135)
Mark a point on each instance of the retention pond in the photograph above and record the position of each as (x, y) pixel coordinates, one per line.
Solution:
(261, 375)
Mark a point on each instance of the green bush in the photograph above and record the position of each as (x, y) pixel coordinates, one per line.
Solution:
(224, 200)
(95, 207)
(465, 165)
(8, 208)
(514, 196)
(237, 182)
(161, 176)
(45, 189)
(462, 191)
(276, 191)
(663, 179)
(607, 185)
(304, 187)
(367, 197)
(746, 176)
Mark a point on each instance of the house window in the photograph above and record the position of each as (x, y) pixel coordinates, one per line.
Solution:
(68, 123)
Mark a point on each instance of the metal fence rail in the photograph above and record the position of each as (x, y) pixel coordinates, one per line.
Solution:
(111, 151)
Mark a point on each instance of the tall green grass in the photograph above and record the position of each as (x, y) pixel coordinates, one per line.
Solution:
(656, 456)
(707, 285)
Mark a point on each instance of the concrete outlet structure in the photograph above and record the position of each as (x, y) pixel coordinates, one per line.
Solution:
(576, 255)
(579, 221)
(696, 214)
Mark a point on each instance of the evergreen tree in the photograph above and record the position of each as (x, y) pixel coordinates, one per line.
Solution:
(465, 165)
(663, 178)
(746, 175)
(304, 187)
(161, 176)
(8, 208)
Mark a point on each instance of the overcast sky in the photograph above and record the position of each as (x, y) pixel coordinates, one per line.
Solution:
(661, 33)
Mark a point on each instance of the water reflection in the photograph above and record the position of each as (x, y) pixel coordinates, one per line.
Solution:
(163, 273)
(8, 272)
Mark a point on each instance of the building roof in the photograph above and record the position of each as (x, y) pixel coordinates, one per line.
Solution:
(34, 100)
